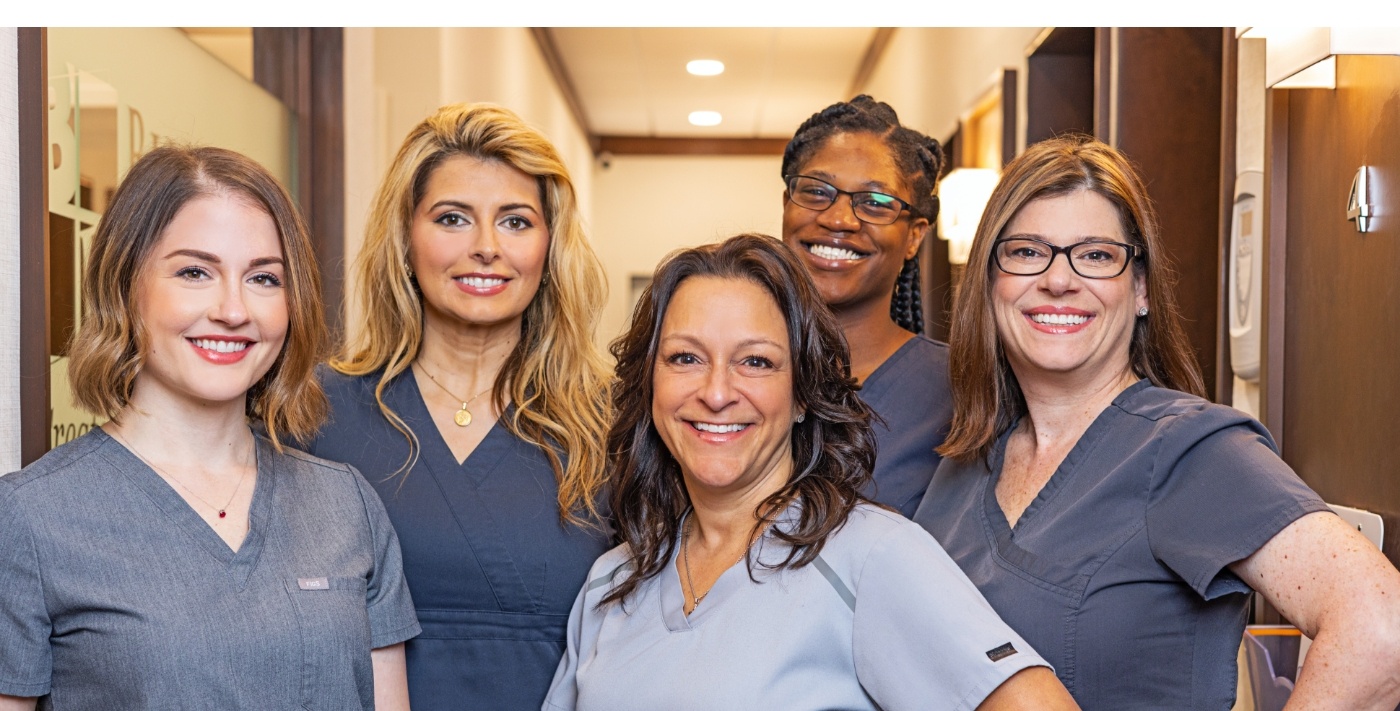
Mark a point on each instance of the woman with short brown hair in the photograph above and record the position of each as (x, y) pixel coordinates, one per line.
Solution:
(176, 557)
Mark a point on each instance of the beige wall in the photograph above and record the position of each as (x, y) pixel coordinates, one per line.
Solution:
(640, 208)
(649, 206)
(932, 75)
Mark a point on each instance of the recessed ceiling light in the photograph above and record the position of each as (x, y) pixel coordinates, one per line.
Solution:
(705, 118)
(704, 67)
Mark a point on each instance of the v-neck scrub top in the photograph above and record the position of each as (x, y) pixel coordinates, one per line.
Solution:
(115, 594)
(1118, 571)
(910, 392)
(492, 570)
(883, 619)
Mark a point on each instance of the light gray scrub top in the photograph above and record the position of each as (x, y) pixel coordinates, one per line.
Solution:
(1118, 571)
(883, 619)
(115, 594)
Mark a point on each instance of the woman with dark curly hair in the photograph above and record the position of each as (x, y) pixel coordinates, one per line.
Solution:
(862, 253)
(753, 573)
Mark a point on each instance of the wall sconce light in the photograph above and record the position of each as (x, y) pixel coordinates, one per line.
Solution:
(962, 197)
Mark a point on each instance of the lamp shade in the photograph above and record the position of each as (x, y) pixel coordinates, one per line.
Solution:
(962, 197)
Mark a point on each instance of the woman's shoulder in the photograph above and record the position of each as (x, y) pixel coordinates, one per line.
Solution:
(870, 527)
(603, 576)
(339, 385)
(56, 466)
(1182, 412)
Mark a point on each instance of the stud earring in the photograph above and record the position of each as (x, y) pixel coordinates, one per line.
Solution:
(1142, 312)
(801, 417)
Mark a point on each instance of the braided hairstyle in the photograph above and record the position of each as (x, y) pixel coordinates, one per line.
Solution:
(917, 156)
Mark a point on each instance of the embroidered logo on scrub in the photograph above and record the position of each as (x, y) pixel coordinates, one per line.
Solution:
(1001, 652)
(324, 584)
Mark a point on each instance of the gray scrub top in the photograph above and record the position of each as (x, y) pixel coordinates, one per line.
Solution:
(115, 594)
(1118, 571)
(883, 619)
(910, 392)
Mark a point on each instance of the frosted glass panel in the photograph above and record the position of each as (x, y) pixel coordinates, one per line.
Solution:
(115, 94)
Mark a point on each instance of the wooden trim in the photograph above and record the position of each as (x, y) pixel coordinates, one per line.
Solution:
(35, 412)
(1009, 118)
(1224, 385)
(1275, 306)
(304, 68)
(1103, 85)
(874, 52)
(549, 50)
(654, 146)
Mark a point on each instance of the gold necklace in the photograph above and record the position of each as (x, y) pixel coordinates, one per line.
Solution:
(685, 555)
(462, 417)
(223, 510)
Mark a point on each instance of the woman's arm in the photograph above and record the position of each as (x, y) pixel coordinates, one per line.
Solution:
(390, 679)
(17, 703)
(1034, 688)
(1341, 591)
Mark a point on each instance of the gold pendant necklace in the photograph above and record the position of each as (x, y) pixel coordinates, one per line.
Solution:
(685, 556)
(462, 417)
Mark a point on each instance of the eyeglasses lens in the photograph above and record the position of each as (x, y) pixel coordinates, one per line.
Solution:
(874, 208)
(1093, 260)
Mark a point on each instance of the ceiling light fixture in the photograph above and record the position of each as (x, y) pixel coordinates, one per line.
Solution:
(705, 118)
(704, 67)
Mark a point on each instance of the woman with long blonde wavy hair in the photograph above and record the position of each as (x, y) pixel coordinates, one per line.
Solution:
(473, 398)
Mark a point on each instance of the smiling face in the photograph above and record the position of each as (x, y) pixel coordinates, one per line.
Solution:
(854, 264)
(211, 303)
(478, 244)
(722, 397)
(1058, 323)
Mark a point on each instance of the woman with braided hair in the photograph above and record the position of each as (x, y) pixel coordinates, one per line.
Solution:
(862, 253)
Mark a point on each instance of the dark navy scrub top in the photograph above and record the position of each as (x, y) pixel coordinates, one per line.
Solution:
(1117, 572)
(910, 392)
(492, 570)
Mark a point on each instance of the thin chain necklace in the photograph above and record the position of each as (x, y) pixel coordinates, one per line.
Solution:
(685, 555)
(223, 510)
(462, 417)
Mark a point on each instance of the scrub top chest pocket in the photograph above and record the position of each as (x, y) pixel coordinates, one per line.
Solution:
(333, 622)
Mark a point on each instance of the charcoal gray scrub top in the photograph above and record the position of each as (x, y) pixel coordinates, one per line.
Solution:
(1118, 571)
(883, 619)
(115, 594)
(910, 392)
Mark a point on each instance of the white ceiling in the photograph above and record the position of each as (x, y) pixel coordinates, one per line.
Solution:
(633, 82)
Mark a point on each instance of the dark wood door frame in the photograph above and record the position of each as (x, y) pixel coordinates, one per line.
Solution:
(35, 415)
(304, 68)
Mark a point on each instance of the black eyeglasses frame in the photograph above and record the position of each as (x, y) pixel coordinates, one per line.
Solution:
(905, 206)
(1134, 253)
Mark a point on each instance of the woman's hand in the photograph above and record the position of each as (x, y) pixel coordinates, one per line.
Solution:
(1338, 588)
(1033, 688)
(390, 678)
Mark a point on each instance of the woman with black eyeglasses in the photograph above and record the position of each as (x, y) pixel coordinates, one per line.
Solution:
(859, 202)
(1114, 518)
